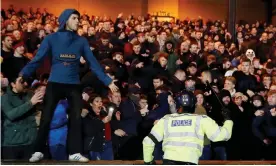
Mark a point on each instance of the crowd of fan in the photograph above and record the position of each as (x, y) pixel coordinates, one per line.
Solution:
(151, 61)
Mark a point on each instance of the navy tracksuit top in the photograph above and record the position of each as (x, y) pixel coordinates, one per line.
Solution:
(65, 48)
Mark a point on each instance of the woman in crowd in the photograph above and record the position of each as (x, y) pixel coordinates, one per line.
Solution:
(97, 130)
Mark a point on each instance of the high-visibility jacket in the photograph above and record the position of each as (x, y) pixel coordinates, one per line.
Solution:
(183, 136)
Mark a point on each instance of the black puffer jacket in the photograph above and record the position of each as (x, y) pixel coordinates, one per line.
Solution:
(93, 133)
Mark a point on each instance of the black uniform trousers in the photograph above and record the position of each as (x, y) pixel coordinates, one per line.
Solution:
(172, 162)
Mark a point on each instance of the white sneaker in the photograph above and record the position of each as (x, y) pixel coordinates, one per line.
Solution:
(78, 157)
(37, 156)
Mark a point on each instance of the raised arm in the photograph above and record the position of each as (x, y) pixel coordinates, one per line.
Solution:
(214, 132)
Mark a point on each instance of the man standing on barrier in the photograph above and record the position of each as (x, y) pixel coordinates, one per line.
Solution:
(65, 47)
(183, 133)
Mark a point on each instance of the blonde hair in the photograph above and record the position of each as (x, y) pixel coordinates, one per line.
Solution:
(231, 79)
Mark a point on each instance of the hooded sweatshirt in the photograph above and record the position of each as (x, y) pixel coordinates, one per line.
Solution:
(172, 58)
(65, 49)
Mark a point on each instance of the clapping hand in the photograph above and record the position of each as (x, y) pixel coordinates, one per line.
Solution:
(37, 98)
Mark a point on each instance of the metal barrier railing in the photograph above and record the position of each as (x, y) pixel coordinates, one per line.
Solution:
(137, 162)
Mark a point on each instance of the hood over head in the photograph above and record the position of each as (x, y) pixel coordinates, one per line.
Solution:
(64, 16)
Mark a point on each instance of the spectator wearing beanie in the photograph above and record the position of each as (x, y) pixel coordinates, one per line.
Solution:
(192, 71)
(141, 39)
(128, 48)
(261, 90)
(190, 84)
(269, 68)
(86, 93)
(142, 71)
(258, 105)
(258, 108)
(221, 152)
(242, 138)
(17, 61)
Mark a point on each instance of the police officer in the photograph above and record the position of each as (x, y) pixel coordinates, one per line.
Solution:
(183, 134)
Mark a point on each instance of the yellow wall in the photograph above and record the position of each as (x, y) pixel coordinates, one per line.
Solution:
(170, 6)
(93, 7)
(249, 10)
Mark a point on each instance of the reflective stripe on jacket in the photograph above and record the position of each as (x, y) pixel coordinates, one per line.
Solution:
(183, 136)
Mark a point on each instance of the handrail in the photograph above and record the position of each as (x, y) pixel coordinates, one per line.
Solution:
(137, 162)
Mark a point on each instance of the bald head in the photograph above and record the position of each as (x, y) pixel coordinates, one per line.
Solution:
(180, 75)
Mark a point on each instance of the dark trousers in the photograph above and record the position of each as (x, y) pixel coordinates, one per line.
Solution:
(58, 152)
(220, 153)
(106, 154)
(128, 146)
(21, 152)
(54, 93)
(172, 162)
(207, 153)
(270, 150)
